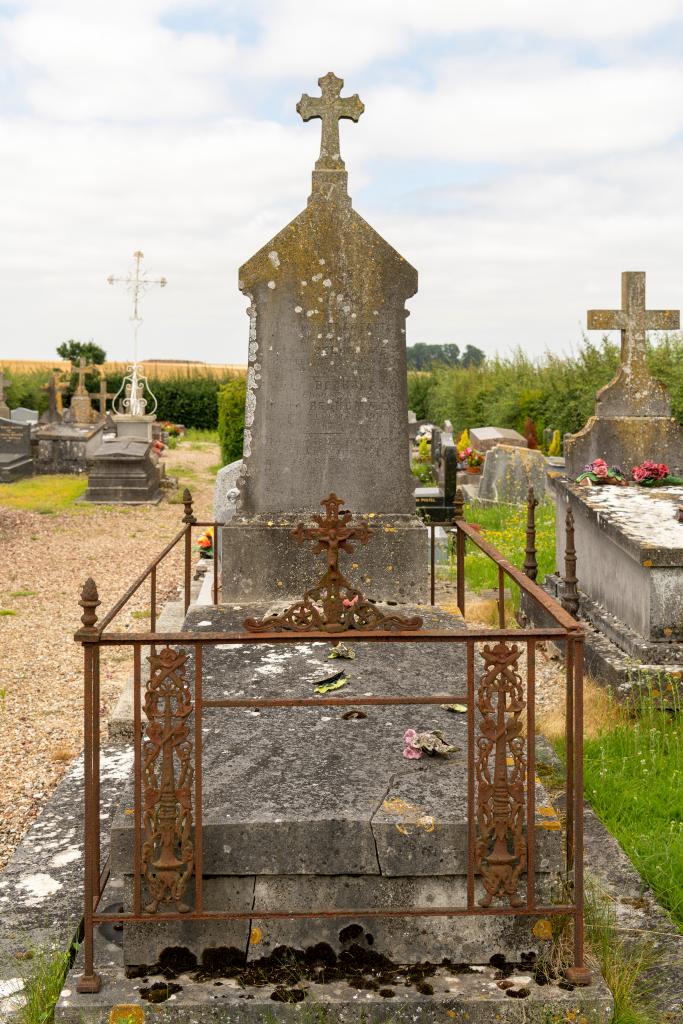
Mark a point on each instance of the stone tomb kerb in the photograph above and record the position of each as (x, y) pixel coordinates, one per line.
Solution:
(632, 420)
(326, 390)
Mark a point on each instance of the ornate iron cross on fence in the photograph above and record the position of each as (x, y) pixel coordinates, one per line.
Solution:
(330, 108)
(333, 605)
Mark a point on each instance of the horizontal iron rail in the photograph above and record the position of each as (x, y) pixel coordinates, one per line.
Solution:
(328, 702)
(553, 607)
(123, 600)
(426, 636)
(275, 915)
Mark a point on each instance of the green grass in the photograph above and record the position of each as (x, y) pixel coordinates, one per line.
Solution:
(504, 526)
(43, 982)
(634, 781)
(23, 593)
(195, 434)
(624, 960)
(46, 494)
(7, 611)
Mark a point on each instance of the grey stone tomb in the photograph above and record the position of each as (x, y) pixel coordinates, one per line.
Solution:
(62, 447)
(124, 471)
(632, 420)
(15, 451)
(326, 389)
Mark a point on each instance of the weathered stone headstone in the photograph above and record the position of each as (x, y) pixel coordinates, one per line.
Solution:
(15, 450)
(53, 389)
(23, 415)
(632, 420)
(510, 471)
(4, 408)
(483, 439)
(124, 471)
(326, 388)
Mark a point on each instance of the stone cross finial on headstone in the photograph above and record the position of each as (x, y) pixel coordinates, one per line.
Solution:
(633, 382)
(330, 107)
(53, 389)
(82, 369)
(103, 395)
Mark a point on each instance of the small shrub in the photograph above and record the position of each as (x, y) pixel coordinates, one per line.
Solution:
(231, 401)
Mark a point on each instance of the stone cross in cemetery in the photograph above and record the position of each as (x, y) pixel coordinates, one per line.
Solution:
(54, 389)
(81, 406)
(326, 389)
(633, 385)
(4, 408)
(632, 420)
(103, 396)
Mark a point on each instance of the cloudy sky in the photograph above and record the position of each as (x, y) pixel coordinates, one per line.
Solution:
(519, 154)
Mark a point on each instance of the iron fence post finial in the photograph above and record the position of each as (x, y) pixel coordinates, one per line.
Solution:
(570, 593)
(189, 516)
(89, 601)
(530, 562)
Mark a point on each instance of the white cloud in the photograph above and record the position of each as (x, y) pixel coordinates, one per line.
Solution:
(120, 132)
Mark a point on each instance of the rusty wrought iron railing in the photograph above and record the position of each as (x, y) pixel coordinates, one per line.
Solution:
(501, 758)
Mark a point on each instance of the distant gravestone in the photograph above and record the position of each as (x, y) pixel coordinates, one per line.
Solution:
(483, 439)
(80, 409)
(632, 420)
(225, 492)
(23, 415)
(327, 397)
(15, 450)
(509, 472)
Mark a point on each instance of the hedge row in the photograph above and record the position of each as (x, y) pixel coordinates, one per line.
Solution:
(554, 392)
(192, 401)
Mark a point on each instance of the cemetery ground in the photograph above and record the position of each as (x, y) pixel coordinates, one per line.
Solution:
(49, 543)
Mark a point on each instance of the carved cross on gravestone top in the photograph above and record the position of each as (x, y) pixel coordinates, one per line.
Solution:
(330, 107)
(82, 369)
(54, 389)
(633, 390)
(103, 395)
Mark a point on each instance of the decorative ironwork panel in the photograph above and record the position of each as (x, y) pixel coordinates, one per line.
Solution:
(500, 765)
(334, 605)
(168, 772)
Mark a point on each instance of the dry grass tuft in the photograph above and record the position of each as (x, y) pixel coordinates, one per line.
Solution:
(63, 754)
(601, 713)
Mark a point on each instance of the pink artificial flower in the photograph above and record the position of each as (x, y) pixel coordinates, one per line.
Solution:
(599, 462)
(350, 604)
(409, 751)
(600, 471)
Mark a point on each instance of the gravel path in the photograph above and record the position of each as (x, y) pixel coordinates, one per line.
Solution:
(45, 560)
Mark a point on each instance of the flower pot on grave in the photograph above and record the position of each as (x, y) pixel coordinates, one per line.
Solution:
(474, 470)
